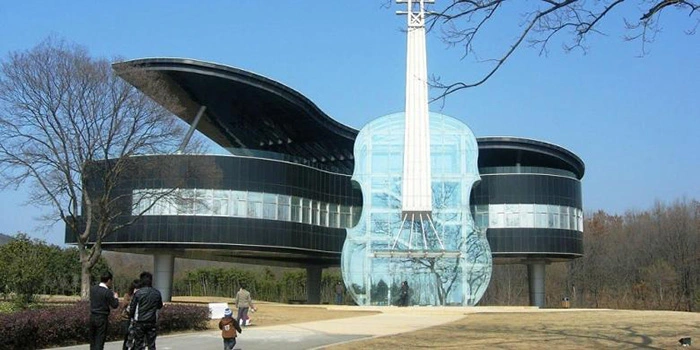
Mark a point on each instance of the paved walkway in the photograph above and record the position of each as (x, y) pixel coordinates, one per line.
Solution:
(317, 334)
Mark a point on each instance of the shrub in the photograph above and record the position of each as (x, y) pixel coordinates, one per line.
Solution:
(180, 317)
(31, 329)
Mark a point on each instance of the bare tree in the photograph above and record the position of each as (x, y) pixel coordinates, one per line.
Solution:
(462, 23)
(70, 128)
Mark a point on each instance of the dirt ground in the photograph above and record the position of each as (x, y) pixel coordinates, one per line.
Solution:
(595, 329)
(270, 314)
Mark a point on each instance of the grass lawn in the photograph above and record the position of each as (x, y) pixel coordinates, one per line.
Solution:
(594, 329)
(271, 314)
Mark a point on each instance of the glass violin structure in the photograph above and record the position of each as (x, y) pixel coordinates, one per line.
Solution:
(416, 170)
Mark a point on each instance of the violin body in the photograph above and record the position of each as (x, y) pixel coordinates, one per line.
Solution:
(445, 259)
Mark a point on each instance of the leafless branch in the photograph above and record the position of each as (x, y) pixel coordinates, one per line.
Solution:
(464, 22)
(62, 112)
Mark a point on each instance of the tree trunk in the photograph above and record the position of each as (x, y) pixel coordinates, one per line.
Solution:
(85, 268)
(84, 280)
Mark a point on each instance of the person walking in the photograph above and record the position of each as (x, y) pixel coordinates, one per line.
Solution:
(228, 326)
(243, 302)
(124, 318)
(403, 294)
(339, 293)
(102, 298)
(143, 309)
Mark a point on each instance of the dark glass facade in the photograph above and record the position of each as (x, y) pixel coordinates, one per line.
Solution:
(530, 209)
(308, 241)
(530, 200)
(527, 188)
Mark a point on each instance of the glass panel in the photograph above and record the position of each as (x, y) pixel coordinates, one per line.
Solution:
(203, 202)
(296, 209)
(527, 215)
(541, 220)
(284, 200)
(572, 219)
(240, 205)
(306, 211)
(513, 219)
(186, 203)
(323, 215)
(283, 207)
(356, 213)
(333, 215)
(220, 202)
(564, 218)
(255, 210)
(553, 217)
(377, 255)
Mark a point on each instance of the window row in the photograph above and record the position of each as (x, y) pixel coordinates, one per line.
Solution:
(529, 216)
(246, 204)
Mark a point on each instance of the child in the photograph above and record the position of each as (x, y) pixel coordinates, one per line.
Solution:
(228, 326)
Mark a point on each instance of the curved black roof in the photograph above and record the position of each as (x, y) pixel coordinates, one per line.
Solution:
(246, 111)
(502, 151)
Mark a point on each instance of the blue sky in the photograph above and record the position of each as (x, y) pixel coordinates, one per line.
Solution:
(634, 121)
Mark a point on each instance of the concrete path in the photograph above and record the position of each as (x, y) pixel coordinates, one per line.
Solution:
(317, 334)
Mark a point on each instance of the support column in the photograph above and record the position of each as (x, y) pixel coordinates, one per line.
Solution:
(163, 266)
(535, 274)
(189, 133)
(313, 284)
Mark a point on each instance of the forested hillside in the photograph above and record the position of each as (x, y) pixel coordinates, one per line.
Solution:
(640, 260)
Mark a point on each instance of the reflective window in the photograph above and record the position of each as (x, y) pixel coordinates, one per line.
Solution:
(284, 207)
(306, 211)
(323, 215)
(254, 205)
(220, 203)
(269, 206)
(528, 215)
(203, 201)
(333, 215)
(185, 202)
(240, 204)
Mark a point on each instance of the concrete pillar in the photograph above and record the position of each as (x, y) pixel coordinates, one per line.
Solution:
(313, 284)
(163, 266)
(535, 275)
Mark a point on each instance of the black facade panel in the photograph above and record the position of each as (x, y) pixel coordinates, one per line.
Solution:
(250, 174)
(231, 231)
(527, 188)
(511, 242)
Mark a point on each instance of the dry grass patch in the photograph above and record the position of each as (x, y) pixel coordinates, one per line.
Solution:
(618, 329)
(271, 314)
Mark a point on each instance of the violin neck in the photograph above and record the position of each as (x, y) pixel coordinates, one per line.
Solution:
(416, 188)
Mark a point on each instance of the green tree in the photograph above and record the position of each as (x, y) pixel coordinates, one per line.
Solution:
(24, 264)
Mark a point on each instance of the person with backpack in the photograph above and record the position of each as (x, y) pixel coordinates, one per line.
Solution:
(143, 309)
(228, 326)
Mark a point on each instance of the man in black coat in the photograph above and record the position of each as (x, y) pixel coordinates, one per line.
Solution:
(144, 311)
(101, 300)
(403, 294)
